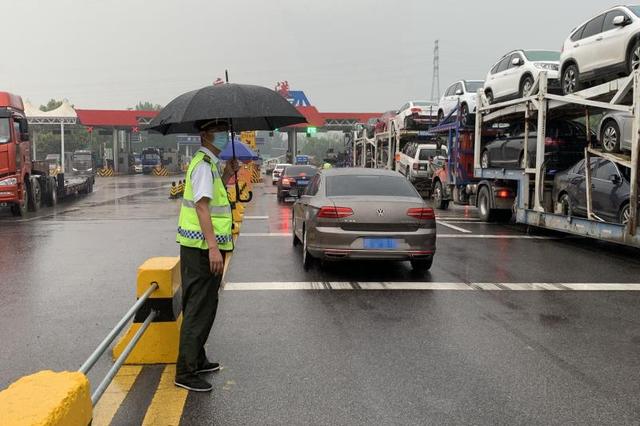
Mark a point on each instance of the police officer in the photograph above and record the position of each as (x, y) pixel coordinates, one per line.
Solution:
(204, 235)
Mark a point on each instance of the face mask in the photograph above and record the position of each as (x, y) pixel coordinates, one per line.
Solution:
(220, 140)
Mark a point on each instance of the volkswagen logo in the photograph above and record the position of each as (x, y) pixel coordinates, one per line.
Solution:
(380, 212)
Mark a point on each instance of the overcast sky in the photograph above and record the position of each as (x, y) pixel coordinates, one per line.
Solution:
(347, 55)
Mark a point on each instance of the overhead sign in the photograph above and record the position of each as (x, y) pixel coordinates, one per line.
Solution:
(295, 97)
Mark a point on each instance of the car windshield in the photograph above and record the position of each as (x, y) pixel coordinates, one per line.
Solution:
(635, 10)
(300, 170)
(150, 156)
(82, 157)
(429, 153)
(369, 185)
(473, 86)
(542, 55)
(5, 134)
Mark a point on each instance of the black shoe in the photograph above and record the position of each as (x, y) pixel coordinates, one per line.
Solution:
(207, 367)
(193, 383)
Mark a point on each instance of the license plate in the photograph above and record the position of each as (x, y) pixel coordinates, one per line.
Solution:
(380, 243)
(302, 182)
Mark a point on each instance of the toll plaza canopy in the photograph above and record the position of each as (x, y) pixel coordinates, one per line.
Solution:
(333, 120)
(119, 119)
(64, 114)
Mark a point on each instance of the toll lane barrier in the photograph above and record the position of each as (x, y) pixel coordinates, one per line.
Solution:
(176, 190)
(47, 398)
(160, 171)
(256, 175)
(105, 172)
(159, 344)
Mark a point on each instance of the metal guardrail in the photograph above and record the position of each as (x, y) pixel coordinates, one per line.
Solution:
(104, 345)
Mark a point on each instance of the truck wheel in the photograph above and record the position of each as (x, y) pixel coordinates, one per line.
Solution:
(484, 205)
(34, 195)
(52, 193)
(438, 197)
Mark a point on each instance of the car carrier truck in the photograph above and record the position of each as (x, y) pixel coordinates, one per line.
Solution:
(26, 184)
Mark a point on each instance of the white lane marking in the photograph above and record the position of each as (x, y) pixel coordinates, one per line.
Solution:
(455, 228)
(477, 236)
(256, 217)
(338, 285)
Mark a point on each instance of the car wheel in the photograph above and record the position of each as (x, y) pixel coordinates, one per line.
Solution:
(440, 116)
(438, 197)
(610, 137)
(565, 205)
(307, 259)
(484, 205)
(525, 86)
(296, 241)
(570, 79)
(634, 57)
(489, 95)
(464, 114)
(485, 163)
(422, 265)
(624, 214)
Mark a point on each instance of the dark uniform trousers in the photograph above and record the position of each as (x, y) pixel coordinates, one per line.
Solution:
(199, 305)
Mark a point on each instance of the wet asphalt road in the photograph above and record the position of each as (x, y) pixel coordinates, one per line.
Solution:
(340, 357)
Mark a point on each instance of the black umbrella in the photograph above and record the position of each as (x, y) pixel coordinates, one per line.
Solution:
(244, 107)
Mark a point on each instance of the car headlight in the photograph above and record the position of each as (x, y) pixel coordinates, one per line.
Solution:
(546, 66)
(9, 182)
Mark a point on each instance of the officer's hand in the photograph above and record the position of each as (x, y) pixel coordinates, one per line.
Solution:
(216, 262)
(233, 165)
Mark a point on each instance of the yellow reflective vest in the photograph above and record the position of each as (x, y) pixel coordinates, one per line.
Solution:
(189, 231)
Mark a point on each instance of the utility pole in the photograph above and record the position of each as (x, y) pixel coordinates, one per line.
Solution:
(435, 80)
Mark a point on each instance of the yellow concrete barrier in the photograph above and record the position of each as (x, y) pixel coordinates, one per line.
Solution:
(47, 398)
(159, 344)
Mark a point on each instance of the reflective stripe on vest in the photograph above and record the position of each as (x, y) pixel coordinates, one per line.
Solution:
(214, 210)
(189, 231)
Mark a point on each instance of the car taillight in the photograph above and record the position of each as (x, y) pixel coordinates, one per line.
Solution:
(551, 142)
(416, 109)
(416, 166)
(287, 181)
(422, 213)
(331, 212)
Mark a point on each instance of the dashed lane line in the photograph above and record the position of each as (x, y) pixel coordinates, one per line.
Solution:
(454, 227)
(338, 285)
(256, 217)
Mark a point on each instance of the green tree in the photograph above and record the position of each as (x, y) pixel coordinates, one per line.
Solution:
(147, 106)
(51, 105)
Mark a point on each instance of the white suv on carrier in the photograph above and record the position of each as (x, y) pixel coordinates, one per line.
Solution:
(514, 75)
(463, 92)
(602, 49)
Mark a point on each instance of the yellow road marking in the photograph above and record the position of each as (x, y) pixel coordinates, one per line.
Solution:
(168, 402)
(114, 395)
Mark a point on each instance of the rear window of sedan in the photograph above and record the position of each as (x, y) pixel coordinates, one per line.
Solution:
(542, 55)
(369, 185)
(298, 170)
(429, 153)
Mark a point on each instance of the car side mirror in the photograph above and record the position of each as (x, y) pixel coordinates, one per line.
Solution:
(621, 21)
(615, 179)
(516, 61)
(458, 92)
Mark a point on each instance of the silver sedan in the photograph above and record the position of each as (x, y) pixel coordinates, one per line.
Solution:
(364, 214)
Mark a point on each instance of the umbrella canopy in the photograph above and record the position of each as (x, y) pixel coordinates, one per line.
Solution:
(238, 150)
(244, 106)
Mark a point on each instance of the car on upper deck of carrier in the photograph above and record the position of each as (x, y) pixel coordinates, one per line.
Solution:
(461, 93)
(416, 115)
(514, 75)
(603, 48)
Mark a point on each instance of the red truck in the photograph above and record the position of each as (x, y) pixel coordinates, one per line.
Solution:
(26, 184)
